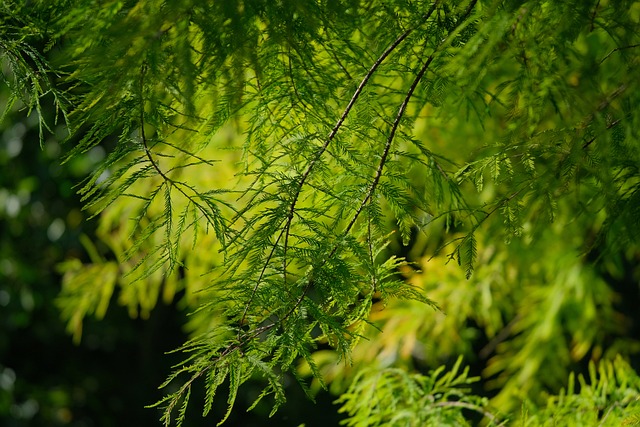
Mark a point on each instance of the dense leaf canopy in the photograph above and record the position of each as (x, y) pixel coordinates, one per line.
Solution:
(301, 173)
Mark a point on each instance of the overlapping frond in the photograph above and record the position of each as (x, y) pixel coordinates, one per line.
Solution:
(261, 153)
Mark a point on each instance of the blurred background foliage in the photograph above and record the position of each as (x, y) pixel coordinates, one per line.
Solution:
(45, 378)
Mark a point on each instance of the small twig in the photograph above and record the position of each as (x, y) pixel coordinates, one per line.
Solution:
(344, 69)
(371, 257)
(606, 415)
(470, 406)
(170, 182)
(255, 287)
(142, 133)
(293, 83)
(593, 16)
(609, 126)
(475, 227)
(604, 104)
(502, 335)
(331, 50)
(387, 147)
(617, 49)
(396, 124)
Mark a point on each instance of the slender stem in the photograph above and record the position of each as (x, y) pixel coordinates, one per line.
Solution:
(604, 104)
(387, 148)
(371, 257)
(142, 132)
(344, 115)
(396, 123)
(255, 287)
(606, 415)
(170, 182)
(470, 406)
(618, 49)
(320, 152)
(593, 16)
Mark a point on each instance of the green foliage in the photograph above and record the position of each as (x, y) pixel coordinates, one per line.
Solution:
(393, 397)
(26, 71)
(608, 397)
(262, 154)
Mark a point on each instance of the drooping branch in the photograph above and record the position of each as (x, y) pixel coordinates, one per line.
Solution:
(337, 126)
(387, 148)
(168, 181)
(398, 119)
(319, 154)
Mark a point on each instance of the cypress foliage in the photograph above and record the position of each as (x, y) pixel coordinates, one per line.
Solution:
(262, 153)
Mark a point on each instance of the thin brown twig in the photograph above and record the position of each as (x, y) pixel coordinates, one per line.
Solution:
(593, 16)
(170, 182)
(396, 124)
(371, 258)
(387, 148)
(322, 150)
(618, 49)
(604, 104)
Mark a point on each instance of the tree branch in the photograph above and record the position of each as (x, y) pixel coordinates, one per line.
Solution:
(387, 147)
(321, 151)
